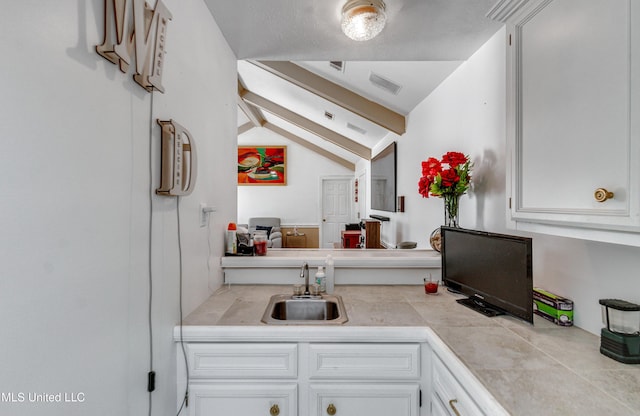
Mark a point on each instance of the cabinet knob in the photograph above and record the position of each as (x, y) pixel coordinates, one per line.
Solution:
(275, 410)
(453, 406)
(602, 195)
(331, 409)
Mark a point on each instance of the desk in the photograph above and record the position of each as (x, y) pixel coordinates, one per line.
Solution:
(350, 239)
(296, 240)
(372, 234)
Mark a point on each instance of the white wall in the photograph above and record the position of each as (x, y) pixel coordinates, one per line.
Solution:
(586, 271)
(75, 206)
(297, 202)
(467, 113)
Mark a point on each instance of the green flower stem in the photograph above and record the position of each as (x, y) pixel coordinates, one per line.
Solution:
(451, 210)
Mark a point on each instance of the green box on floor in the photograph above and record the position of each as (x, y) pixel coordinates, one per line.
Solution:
(554, 308)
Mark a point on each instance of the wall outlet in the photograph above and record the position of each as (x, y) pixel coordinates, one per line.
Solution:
(204, 214)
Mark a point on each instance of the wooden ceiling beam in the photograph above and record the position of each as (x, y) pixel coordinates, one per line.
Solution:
(253, 114)
(336, 94)
(317, 149)
(245, 127)
(306, 124)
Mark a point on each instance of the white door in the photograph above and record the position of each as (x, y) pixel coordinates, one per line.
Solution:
(336, 209)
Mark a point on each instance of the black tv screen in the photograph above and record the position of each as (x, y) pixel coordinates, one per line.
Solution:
(493, 270)
(383, 180)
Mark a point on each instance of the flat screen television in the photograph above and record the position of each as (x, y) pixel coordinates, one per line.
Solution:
(383, 180)
(493, 270)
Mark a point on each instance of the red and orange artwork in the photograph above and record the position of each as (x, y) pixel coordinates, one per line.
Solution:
(262, 165)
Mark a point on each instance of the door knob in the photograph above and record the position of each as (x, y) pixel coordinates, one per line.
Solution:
(602, 195)
(275, 410)
(331, 409)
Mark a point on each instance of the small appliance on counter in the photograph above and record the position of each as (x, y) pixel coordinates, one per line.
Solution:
(620, 339)
(231, 240)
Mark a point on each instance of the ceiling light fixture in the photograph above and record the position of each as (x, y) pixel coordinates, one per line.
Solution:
(363, 19)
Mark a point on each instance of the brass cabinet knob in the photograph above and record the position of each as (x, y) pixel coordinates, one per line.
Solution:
(331, 409)
(275, 410)
(602, 195)
(453, 406)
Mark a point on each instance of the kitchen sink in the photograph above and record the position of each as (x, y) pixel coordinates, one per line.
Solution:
(301, 310)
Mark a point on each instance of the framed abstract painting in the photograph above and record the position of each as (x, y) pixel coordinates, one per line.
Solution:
(262, 165)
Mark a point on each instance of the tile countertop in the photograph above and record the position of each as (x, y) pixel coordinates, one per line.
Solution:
(531, 370)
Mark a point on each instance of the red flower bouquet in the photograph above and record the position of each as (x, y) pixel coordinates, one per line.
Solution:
(447, 178)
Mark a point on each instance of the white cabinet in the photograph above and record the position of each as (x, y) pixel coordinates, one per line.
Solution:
(240, 399)
(364, 361)
(273, 379)
(449, 397)
(242, 360)
(240, 379)
(364, 399)
(331, 378)
(437, 407)
(573, 121)
(364, 379)
(455, 390)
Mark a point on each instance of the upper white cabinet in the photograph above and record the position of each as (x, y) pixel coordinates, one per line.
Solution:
(573, 120)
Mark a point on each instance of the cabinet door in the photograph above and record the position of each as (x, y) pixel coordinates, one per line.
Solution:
(243, 399)
(364, 399)
(573, 121)
(437, 407)
(450, 394)
(242, 360)
(364, 361)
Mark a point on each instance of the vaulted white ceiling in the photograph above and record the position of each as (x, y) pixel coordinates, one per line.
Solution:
(309, 30)
(423, 43)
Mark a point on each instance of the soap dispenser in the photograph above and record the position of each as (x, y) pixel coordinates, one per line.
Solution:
(330, 274)
(321, 279)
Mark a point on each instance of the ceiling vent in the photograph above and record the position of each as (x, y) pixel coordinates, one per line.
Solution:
(337, 65)
(384, 83)
(328, 115)
(356, 128)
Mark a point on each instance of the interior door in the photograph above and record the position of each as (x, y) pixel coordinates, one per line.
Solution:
(336, 209)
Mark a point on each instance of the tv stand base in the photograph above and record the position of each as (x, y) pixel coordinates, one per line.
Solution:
(479, 306)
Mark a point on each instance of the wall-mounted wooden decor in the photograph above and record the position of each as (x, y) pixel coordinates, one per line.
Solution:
(262, 165)
(179, 168)
(146, 37)
(400, 204)
(356, 190)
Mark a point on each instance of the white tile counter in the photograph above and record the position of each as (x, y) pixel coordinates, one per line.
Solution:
(531, 370)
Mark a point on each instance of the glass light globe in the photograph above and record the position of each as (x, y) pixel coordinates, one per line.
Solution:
(364, 21)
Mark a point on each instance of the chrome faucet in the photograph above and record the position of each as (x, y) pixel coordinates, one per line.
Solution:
(304, 274)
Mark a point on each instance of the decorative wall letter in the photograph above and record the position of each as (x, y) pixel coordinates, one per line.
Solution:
(179, 167)
(146, 34)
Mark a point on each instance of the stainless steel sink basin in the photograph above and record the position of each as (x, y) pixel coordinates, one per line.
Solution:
(287, 310)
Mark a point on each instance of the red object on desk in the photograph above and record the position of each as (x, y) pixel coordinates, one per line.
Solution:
(431, 287)
(350, 239)
(260, 248)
